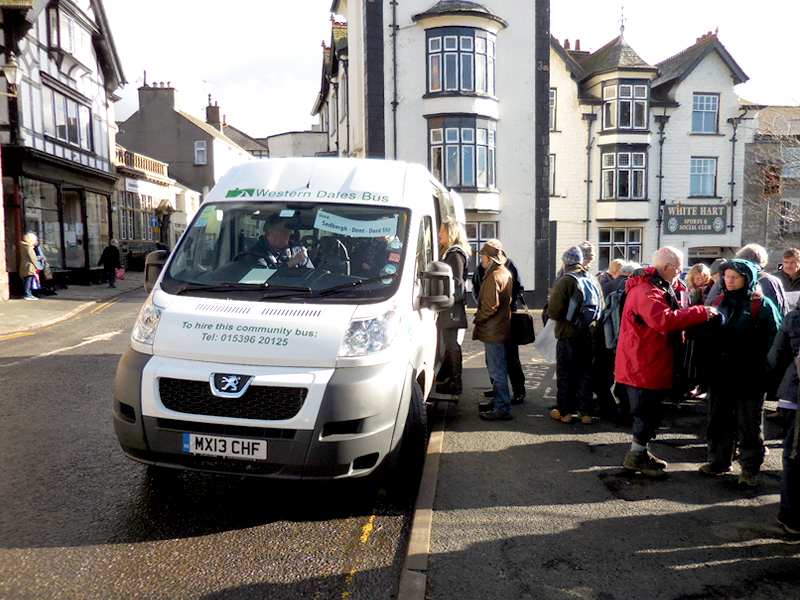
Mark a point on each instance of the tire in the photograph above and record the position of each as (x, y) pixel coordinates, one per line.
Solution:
(406, 469)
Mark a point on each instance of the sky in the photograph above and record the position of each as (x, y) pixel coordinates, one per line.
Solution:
(261, 60)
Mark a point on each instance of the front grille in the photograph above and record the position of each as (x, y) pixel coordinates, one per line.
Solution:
(266, 403)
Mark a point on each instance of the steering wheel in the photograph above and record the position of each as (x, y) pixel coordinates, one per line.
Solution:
(246, 253)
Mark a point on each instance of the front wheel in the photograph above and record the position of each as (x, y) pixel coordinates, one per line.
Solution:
(405, 467)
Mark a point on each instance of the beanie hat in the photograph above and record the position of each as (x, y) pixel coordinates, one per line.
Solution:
(714, 268)
(494, 250)
(588, 251)
(573, 256)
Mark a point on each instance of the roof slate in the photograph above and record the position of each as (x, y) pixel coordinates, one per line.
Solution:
(682, 64)
(615, 56)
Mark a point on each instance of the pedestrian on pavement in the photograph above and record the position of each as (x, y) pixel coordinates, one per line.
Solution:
(28, 265)
(515, 374)
(789, 271)
(782, 357)
(574, 338)
(608, 283)
(697, 280)
(611, 273)
(737, 372)
(109, 260)
(652, 321)
(771, 285)
(493, 327)
(455, 251)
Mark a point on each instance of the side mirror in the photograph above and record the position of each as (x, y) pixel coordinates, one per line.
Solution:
(437, 287)
(153, 264)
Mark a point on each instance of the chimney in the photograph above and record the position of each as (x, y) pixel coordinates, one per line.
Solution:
(577, 45)
(160, 92)
(566, 44)
(213, 116)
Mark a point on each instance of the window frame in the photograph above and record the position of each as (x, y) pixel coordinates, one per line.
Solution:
(553, 107)
(625, 106)
(200, 152)
(619, 242)
(460, 60)
(699, 176)
(462, 152)
(623, 166)
(703, 114)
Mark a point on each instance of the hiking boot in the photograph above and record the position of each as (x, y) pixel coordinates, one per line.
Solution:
(485, 407)
(640, 462)
(495, 415)
(748, 478)
(518, 399)
(713, 470)
(659, 463)
(585, 419)
(556, 414)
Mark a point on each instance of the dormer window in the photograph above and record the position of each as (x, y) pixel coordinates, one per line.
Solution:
(460, 60)
(69, 34)
(625, 106)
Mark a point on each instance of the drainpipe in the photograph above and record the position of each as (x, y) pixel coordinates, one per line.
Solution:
(662, 121)
(395, 102)
(589, 118)
(733, 122)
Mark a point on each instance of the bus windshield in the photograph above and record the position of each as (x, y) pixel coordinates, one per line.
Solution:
(275, 251)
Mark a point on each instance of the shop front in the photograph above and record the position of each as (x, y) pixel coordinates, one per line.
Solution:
(70, 212)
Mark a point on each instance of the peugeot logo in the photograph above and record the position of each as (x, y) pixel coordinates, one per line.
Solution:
(229, 385)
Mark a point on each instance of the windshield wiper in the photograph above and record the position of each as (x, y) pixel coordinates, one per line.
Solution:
(352, 284)
(240, 287)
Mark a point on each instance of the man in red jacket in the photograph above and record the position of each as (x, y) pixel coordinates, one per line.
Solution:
(651, 326)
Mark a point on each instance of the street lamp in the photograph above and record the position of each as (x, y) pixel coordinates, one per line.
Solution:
(13, 75)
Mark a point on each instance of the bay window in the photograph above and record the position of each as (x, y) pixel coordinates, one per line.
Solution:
(623, 174)
(461, 60)
(462, 151)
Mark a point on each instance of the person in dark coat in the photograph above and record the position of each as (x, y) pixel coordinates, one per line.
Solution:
(737, 372)
(574, 343)
(455, 251)
(109, 260)
(781, 358)
(789, 271)
(772, 286)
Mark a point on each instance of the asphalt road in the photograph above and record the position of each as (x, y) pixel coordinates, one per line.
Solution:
(79, 520)
(535, 509)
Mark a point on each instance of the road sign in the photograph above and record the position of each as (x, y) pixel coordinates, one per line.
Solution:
(153, 221)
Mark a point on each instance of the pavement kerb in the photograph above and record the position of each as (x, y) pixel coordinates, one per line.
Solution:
(65, 316)
(414, 578)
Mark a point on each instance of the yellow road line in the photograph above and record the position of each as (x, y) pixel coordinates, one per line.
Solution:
(101, 307)
(16, 335)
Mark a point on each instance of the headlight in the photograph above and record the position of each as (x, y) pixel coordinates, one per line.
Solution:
(144, 330)
(368, 336)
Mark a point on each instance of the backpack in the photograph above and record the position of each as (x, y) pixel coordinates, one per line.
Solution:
(611, 319)
(584, 306)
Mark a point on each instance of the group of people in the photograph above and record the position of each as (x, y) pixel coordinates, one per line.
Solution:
(730, 331)
(496, 288)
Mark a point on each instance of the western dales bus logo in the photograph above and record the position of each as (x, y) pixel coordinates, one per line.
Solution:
(237, 193)
(262, 193)
(326, 194)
